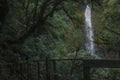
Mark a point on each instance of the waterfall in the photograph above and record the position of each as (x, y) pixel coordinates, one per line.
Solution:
(89, 44)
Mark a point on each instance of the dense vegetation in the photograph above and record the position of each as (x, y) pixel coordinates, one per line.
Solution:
(40, 29)
(107, 27)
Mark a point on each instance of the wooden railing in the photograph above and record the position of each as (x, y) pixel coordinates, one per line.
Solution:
(58, 69)
(88, 64)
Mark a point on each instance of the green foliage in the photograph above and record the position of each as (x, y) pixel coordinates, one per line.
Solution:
(107, 27)
(105, 74)
(40, 29)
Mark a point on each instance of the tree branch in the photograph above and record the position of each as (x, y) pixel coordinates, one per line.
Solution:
(39, 23)
(55, 8)
(68, 15)
(113, 31)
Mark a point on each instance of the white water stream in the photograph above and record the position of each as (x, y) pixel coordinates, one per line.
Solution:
(89, 31)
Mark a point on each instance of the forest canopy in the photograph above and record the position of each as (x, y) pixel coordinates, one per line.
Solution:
(55, 28)
(36, 30)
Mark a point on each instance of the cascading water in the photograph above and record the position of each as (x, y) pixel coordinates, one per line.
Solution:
(89, 31)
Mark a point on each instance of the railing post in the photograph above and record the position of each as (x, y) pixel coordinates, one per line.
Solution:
(20, 71)
(47, 70)
(86, 73)
(29, 71)
(38, 69)
(14, 69)
(54, 70)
